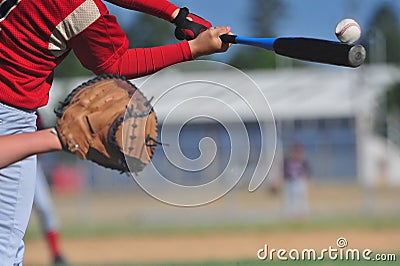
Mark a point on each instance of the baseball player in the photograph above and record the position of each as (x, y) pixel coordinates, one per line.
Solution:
(35, 36)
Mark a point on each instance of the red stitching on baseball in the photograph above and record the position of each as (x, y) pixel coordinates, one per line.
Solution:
(347, 27)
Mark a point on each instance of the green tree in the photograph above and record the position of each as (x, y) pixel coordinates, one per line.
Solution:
(265, 16)
(263, 19)
(393, 98)
(149, 31)
(387, 122)
(71, 67)
(382, 38)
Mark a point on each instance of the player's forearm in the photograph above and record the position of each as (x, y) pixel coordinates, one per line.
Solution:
(139, 62)
(159, 8)
(14, 148)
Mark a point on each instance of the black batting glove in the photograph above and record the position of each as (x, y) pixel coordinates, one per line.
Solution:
(189, 26)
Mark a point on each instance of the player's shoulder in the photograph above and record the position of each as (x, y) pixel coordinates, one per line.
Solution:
(61, 8)
(82, 5)
(80, 10)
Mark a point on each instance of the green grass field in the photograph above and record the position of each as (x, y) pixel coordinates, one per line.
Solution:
(258, 263)
(270, 263)
(115, 229)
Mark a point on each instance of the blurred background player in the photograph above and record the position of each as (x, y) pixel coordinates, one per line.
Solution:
(296, 175)
(44, 207)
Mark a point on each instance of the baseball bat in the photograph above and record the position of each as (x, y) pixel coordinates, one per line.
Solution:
(307, 49)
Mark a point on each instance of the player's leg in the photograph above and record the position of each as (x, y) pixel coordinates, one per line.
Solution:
(304, 208)
(15, 208)
(43, 205)
(17, 184)
(20, 254)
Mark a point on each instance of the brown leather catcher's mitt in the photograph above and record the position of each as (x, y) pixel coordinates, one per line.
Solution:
(109, 121)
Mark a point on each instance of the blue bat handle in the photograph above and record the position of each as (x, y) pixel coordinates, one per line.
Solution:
(266, 43)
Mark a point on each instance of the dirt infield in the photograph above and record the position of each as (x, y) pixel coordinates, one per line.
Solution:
(205, 246)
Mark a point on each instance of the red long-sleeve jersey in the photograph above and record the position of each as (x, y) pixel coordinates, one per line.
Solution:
(159, 8)
(35, 36)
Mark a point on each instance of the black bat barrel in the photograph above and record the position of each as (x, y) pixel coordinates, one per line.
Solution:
(321, 51)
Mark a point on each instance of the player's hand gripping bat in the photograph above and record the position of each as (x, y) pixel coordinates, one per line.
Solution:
(307, 49)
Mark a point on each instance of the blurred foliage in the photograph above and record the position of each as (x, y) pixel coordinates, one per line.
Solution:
(265, 16)
(388, 108)
(382, 38)
(262, 26)
(71, 67)
(393, 98)
(149, 31)
(253, 58)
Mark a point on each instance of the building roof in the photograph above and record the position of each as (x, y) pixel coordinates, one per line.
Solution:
(292, 94)
(305, 93)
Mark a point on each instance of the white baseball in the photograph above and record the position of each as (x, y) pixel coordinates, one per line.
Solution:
(348, 31)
